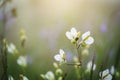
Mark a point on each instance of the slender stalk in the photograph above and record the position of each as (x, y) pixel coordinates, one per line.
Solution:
(79, 54)
(91, 72)
(4, 61)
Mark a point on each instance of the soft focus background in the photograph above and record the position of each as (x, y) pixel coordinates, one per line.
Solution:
(45, 23)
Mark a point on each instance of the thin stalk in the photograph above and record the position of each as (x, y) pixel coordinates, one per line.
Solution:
(91, 72)
(79, 54)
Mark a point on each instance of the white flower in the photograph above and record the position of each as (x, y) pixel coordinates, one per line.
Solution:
(87, 38)
(89, 66)
(50, 75)
(11, 48)
(105, 75)
(73, 35)
(22, 61)
(10, 78)
(61, 57)
(25, 78)
(112, 70)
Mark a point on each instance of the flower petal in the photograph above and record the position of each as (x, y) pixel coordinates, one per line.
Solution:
(22, 61)
(94, 67)
(10, 78)
(105, 72)
(73, 31)
(69, 35)
(86, 34)
(25, 78)
(112, 70)
(108, 77)
(89, 41)
(100, 74)
(57, 57)
(50, 75)
(89, 66)
(61, 52)
(11, 48)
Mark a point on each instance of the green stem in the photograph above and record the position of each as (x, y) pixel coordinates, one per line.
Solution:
(79, 54)
(91, 72)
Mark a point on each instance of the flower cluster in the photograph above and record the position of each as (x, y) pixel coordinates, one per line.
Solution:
(74, 36)
(22, 60)
(50, 75)
(82, 41)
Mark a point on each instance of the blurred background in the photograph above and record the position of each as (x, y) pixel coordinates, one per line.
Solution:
(45, 23)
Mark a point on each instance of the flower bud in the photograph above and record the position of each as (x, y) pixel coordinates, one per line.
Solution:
(60, 78)
(43, 76)
(59, 72)
(85, 52)
(55, 65)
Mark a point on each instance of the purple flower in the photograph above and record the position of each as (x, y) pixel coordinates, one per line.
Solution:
(103, 28)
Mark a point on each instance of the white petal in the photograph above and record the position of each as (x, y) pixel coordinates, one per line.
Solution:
(89, 66)
(100, 74)
(109, 77)
(50, 75)
(73, 31)
(69, 35)
(11, 48)
(25, 78)
(10, 78)
(22, 61)
(112, 70)
(105, 72)
(94, 67)
(61, 52)
(89, 41)
(86, 34)
(57, 57)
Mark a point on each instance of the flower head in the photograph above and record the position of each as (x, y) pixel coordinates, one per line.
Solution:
(22, 61)
(12, 48)
(73, 35)
(89, 66)
(50, 75)
(105, 75)
(61, 57)
(87, 39)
